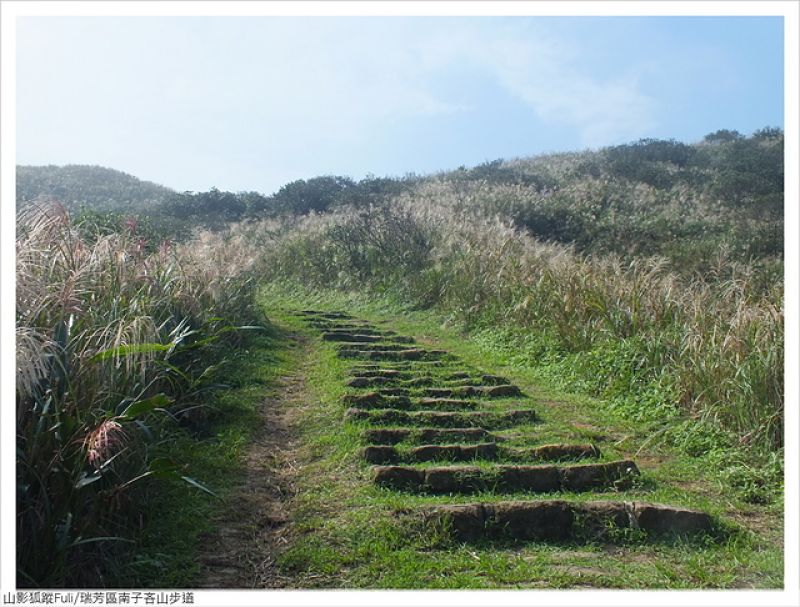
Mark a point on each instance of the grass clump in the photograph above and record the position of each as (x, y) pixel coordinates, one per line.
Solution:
(115, 343)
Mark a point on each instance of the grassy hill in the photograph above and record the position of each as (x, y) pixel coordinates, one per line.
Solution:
(651, 197)
(95, 187)
(687, 203)
(647, 278)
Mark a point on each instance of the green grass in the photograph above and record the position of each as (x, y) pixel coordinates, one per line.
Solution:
(348, 535)
(177, 516)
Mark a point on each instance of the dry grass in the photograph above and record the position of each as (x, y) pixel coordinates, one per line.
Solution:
(718, 341)
(108, 331)
(109, 328)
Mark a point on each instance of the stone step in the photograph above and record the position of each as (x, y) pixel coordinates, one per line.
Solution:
(374, 400)
(554, 452)
(333, 315)
(414, 354)
(406, 366)
(352, 327)
(370, 379)
(559, 520)
(446, 404)
(387, 454)
(470, 391)
(419, 382)
(459, 375)
(370, 382)
(466, 379)
(372, 347)
(377, 372)
(394, 392)
(507, 479)
(423, 397)
(482, 419)
(363, 330)
(342, 323)
(360, 338)
(494, 380)
(392, 436)
(401, 402)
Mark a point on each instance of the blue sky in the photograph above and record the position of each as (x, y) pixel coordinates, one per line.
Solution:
(251, 103)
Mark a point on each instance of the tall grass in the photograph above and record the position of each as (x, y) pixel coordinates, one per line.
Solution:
(716, 344)
(111, 332)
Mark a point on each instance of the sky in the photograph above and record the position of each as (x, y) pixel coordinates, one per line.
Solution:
(252, 103)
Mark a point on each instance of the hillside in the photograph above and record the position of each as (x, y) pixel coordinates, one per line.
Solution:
(95, 187)
(687, 203)
(390, 382)
(651, 197)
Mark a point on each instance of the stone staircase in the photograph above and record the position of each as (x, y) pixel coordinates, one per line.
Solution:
(436, 427)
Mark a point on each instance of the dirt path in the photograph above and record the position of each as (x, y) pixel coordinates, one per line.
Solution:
(254, 525)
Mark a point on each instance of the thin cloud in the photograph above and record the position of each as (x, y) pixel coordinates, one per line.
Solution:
(371, 76)
(546, 74)
(255, 102)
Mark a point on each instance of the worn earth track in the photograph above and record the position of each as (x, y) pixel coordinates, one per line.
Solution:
(254, 525)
